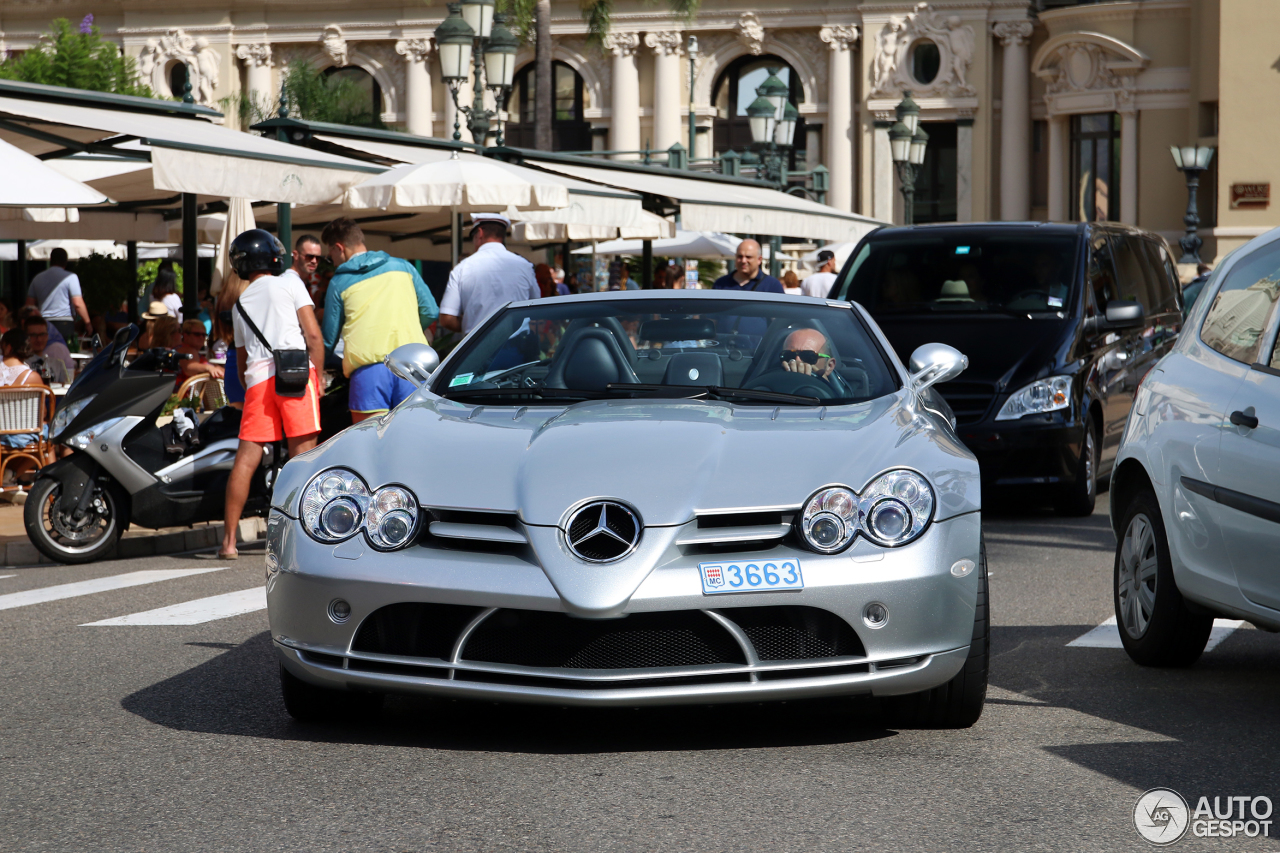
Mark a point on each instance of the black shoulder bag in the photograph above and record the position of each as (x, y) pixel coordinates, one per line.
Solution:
(293, 366)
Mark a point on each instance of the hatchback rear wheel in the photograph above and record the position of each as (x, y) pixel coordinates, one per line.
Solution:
(1156, 626)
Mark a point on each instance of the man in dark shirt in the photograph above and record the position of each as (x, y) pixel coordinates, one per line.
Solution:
(747, 275)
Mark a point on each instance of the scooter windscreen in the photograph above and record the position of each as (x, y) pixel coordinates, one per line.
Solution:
(110, 358)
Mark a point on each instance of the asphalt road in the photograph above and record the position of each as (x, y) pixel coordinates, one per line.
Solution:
(171, 737)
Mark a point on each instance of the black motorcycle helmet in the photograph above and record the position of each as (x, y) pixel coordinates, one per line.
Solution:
(257, 251)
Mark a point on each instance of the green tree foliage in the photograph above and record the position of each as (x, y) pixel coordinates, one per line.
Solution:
(312, 95)
(147, 275)
(78, 58)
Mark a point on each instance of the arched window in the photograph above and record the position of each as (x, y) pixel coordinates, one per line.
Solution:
(569, 130)
(364, 82)
(736, 89)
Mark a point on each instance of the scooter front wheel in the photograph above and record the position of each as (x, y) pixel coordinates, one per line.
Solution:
(61, 537)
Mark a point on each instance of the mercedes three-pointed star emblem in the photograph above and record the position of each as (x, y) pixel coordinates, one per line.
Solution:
(602, 531)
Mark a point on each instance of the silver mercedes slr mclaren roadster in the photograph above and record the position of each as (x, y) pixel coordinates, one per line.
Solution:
(642, 498)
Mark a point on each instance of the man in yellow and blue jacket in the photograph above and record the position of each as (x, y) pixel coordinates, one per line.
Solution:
(375, 303)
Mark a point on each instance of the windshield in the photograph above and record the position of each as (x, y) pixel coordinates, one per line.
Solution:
(964, 273)
(766, 352)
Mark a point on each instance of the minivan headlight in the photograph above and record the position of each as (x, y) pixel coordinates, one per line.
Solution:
(337, 505)
(67, 414)
(1043, 395)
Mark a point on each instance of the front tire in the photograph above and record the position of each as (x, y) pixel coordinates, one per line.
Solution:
(957, 704)
(60, 537)
(308, 703)
(1081, 497)
(1156, 626)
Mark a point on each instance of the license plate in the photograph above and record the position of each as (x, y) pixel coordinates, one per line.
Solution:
(741, 576)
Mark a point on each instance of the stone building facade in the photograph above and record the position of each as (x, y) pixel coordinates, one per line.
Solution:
(1040, 109)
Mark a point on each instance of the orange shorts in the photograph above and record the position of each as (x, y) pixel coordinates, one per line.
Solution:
(270, 417)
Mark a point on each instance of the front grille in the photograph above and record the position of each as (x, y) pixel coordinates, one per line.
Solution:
(794, 632)
(741, 519)
(414, 630)
(638, 641)
(968, 400)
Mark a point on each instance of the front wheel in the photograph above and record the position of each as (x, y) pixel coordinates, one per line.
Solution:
(1081, 496)
(60, 536)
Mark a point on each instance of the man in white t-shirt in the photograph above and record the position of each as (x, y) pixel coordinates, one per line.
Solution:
(487, 280)
(819, 284)
(56, 291)
(282, 312)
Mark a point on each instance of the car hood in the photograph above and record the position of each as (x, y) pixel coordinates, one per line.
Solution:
(668, 460)
(1000, 348)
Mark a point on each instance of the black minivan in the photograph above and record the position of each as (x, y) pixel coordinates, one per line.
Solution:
(1060, 323)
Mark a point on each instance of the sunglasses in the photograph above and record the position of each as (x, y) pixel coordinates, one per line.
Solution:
(808, 356)
(307, 257)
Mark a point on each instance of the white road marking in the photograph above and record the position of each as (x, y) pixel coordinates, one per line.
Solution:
(1107, 635)
(196, 612)
(2, 577)
(72, 590)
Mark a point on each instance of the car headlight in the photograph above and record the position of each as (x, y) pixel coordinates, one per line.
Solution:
(1043, 395)
(892, 510)
(84, 438)
(896, 507)
(68, 414)
(337, 505)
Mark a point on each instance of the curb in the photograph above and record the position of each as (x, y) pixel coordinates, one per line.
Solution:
(148, 543)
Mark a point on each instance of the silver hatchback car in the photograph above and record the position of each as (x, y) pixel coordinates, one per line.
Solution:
(1195, 497)
(641, 498)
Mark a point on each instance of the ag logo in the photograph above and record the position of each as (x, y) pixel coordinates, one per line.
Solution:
(1161, 816)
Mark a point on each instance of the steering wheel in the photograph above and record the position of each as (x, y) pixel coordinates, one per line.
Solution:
(786, 382)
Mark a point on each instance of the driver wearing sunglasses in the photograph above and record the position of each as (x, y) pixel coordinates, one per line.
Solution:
(808, 351)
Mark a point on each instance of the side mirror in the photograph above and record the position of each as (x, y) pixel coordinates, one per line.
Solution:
(934, 363)
(1122, 314)
(413, 363)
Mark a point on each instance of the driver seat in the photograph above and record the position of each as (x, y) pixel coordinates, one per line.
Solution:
(590, 360)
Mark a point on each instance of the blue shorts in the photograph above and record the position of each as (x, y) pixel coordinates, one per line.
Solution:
(374, 388)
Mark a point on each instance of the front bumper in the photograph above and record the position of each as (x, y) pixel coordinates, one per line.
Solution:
(923, 644)
(1038, 450)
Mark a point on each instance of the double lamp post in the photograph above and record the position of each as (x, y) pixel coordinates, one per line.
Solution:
(907, 143)
(474, 42)
(772, 119)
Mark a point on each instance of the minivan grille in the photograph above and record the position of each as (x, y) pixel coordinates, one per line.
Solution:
(969, 400)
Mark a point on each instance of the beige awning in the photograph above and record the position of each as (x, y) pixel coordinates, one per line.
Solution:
(190, 154)
(93, 225)
(733, 207)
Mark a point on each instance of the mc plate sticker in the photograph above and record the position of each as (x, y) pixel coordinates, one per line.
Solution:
(758, 576)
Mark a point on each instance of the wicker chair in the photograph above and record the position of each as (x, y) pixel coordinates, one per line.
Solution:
(204, 392)
(26, 410)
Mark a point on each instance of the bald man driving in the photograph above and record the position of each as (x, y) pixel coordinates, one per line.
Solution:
(808, 351)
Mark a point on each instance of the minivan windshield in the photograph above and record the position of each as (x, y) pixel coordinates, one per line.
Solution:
(963, 274)
(770, 352)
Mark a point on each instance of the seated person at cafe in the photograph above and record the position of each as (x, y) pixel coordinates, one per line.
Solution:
(191, 343)
(54, 356)
(14, 372)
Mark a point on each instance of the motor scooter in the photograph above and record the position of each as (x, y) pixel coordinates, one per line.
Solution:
(125, 470)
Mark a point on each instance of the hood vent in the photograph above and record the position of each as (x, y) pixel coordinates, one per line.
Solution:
(463, 526)
(736, 528)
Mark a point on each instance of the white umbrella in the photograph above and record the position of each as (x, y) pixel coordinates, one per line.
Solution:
(543, 228)
(208, 228)
(461, 184)
(41, 249)
(710, 245)
(151, 251)
(239, 219)
(29, 183)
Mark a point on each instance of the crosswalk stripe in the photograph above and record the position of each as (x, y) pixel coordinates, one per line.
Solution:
(196, 612)
(72, 590)
(2, 577)
(1107, 635)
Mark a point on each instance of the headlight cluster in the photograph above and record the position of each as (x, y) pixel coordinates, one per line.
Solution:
(892, 510)
(337, 505)
(68, 414)
(84, 438)
(1044, 395)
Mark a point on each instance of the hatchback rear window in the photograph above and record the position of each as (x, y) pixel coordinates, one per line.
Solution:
(963, 274)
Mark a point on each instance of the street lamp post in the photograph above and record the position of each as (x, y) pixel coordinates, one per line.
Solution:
(907, 143)
(772, 119)
(475, 42)
(693, 118)
(1191, 160)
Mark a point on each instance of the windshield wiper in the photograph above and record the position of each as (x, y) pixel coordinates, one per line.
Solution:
(696, 391)
(686, 391)
(470, 393)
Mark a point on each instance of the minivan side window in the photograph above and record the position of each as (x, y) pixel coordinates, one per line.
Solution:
(1131, 275)
(1101, 272)
(1163, 289)
(843, 288)
(1243, 306)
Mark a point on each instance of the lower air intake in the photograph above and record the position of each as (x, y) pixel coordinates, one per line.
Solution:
(414, 630)
(794, 632)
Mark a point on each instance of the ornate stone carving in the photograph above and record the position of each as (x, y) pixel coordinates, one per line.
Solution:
(839, 37)
(334, 44)
(1012, 33)
(382, 60)
(891, 66)
(254, 55)
(202, 63)
(667, 43)
(621, 44)
(414, 50)
(807, 60)
(1082, 67)
(751, 33)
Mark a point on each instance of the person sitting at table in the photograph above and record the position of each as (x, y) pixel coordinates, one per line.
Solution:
(14, 373)
(49, 357)
(191, 343)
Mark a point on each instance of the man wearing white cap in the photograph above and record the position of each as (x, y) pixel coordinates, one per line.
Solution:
(488, 279)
